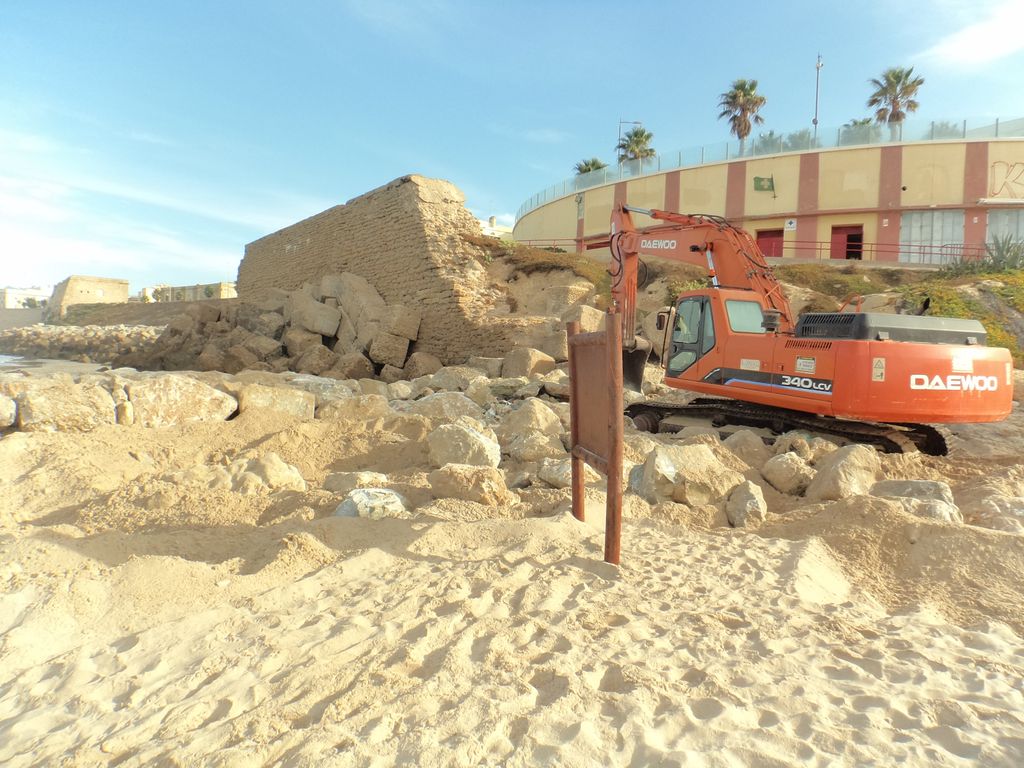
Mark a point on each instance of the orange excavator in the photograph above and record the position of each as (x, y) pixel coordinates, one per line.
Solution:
(881, 379)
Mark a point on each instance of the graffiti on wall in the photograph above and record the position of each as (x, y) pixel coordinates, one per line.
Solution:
(1006, 180)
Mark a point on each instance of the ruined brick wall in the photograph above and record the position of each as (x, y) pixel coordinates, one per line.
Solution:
(83, 289)
(405, 239)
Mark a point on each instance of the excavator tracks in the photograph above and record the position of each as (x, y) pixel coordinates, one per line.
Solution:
(890, 438)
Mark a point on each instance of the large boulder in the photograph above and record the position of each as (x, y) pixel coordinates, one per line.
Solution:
(532, 416)
(484, 485)
(284, 400)
(491, 366)
(534, 446)
(315, 360)
(388, 349)
(372, 503)
(309, 314)
(445, 406)
(163, 401)
(462, 444)
(689, 474)
(788, 473)
(8, 411)
(296, 340)
(359, 408)
(558, 473)
(591, 320)
(748, 447)
(351, 365)
(746, 502)
(421, 364)
(400, 320)
(848, 471)
(75, 408)
(526, 361)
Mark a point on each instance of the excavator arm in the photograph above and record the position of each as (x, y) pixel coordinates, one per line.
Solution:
(728, 254)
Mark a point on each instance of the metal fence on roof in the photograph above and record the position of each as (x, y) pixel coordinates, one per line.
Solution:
(772, 143)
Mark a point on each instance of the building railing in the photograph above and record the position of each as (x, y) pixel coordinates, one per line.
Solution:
(772, 143)
(903, 254)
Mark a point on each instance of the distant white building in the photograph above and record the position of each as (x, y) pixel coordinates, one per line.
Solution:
(19, 298)
(197, 292)
(492, 228)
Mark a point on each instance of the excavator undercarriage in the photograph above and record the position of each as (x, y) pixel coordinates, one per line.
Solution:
(664, 416)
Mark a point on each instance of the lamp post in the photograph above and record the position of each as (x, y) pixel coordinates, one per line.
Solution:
(622, 123)
(817, 82)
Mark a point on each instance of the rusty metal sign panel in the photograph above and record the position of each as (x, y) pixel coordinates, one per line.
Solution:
(595, 407)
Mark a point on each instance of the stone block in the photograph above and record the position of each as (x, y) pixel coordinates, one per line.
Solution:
(296, 341)
(310, 315)
(61, 408)
(292, 402)
(389, 349)
(403, 321)
(421, 364)
(484, 485)
(590, 319)
(528, 362)
(491, 366)
(315, 360)
(163, 401)
(352, 365)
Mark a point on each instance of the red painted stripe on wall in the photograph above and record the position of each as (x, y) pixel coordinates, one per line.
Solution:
(975, 172)
(807, 196)
(975, 226)
(620, 193)
(890, 176)
(888, 237)
(672, 191)
(806, 234)
(736, 190)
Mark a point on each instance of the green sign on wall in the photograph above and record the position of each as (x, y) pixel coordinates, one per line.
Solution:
(764, 183)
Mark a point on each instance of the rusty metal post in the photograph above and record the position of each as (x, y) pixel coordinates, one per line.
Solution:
(576, 461)
(613, 507)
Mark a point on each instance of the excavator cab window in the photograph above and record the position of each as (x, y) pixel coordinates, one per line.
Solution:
(693, 334)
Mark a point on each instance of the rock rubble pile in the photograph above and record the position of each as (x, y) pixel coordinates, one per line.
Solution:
(83, 344)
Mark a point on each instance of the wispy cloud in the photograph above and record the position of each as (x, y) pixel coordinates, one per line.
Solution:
(995, 34)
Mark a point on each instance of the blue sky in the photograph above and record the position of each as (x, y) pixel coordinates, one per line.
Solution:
(151, 141)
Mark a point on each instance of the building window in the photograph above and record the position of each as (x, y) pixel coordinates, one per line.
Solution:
(931, 237)
(1003, 223)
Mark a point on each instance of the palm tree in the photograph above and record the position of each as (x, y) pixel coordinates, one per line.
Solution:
(635, 145)
(586, 166)
(860, 130)
(894, 97)
(741, 105)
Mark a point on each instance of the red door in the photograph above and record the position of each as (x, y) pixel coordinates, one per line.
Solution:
(770, 241)
(847, 242)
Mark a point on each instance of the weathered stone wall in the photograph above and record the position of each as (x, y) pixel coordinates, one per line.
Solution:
(81, 289)
(405, 238)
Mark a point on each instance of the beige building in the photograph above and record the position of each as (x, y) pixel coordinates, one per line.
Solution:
(82, 289)
(927, 201)
(20, 298)
(197, 292)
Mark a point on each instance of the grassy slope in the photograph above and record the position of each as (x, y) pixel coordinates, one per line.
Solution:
(999, 308)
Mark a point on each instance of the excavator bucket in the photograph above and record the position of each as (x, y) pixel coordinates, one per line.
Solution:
(633, 363)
